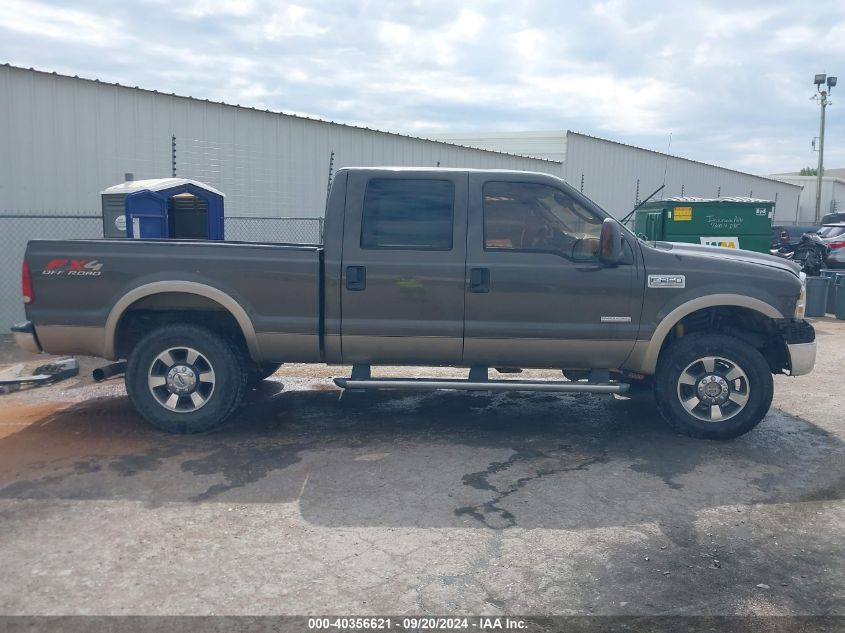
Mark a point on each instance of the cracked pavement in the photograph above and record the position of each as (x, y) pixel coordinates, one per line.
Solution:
(421, 503)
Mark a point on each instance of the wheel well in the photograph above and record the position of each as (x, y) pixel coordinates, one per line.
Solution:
(168, 308)
(753, 327)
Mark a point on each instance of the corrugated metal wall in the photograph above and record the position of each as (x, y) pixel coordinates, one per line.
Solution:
(833, 196)
(550, 145)
(616, 176)
(609, 171)
(64, 139)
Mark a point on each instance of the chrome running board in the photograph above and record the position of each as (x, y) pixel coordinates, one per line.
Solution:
(428, 384)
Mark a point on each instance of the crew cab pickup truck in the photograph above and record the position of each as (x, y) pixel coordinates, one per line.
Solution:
(430, 267)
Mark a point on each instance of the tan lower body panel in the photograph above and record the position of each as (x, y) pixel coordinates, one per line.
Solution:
(401, 350)
(641, 360)
(542, 353)
(282, 347)
(288, 348)
(72, 339)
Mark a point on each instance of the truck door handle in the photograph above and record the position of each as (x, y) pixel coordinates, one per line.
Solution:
(479, 280)
(356, 278)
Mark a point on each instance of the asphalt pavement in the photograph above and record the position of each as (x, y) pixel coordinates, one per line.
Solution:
(406, 503)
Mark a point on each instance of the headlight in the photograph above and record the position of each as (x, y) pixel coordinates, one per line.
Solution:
(801, 306)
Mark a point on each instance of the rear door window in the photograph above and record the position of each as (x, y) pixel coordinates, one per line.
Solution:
(408, 214)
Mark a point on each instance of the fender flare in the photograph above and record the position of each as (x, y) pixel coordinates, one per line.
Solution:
(186, 287)
(645, 360)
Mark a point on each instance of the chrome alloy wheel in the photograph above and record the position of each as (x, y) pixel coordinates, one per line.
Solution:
(713, 389)
(181, 379)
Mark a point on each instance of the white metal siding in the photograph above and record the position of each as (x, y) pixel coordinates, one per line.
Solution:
(65, 139)
(833, 196)
(611, 171)
(547, 145)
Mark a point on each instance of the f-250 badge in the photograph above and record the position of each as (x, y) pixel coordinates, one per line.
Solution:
(667, 281)
(73, 268)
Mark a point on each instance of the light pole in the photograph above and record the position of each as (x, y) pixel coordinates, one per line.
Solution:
(820, 82)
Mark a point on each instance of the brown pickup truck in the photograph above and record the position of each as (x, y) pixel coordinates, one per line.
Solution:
(427, 267)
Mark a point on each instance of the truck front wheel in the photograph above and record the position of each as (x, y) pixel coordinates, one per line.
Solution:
(713, 386)
(185, 378)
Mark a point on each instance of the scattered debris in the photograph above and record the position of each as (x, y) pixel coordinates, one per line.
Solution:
(12, 380)
(763, 586)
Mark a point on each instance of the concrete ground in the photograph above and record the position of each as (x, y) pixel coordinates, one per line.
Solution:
(421, 504)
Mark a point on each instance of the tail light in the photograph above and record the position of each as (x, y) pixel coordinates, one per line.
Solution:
(834, 245)
(26, 284)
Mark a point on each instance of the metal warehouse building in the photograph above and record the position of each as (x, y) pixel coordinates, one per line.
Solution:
(832, 198)
(618, 176)
(65, 139)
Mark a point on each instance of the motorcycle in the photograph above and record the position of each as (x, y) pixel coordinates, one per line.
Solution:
(809, 253)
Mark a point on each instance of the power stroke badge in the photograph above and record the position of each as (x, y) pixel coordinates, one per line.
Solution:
(667, 281)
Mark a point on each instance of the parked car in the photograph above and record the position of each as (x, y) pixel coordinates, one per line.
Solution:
(833, 218)
(833, 236)
(790, 235)
(429, 267)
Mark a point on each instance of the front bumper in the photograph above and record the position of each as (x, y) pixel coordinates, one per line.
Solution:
(802, 358)
(800, 338)
(24, 336)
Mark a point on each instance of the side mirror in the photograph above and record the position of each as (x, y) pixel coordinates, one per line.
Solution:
(610, 242)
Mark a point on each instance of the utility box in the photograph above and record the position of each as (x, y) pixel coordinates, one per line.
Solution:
(744, 223)
(163, 208)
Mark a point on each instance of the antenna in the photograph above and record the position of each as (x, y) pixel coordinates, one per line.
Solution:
(666, 164)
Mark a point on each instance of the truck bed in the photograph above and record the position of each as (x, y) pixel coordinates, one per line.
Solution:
(278, 286)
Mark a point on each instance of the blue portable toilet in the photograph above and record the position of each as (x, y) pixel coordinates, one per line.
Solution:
(163, 208)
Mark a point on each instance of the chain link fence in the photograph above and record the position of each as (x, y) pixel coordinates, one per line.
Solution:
(17, 229)
(277, 230)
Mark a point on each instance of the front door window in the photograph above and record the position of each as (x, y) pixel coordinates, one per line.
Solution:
(535, 217)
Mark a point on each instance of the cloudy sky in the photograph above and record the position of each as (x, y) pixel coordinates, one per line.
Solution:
(731, 80)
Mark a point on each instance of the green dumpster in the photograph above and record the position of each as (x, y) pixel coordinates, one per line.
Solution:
(731, 222)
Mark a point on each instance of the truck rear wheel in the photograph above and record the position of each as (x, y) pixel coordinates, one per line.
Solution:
(185, 378)
(713, 386)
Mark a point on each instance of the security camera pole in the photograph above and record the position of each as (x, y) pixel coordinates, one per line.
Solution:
(823, 100)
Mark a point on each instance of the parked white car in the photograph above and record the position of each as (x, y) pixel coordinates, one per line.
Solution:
(833, 236)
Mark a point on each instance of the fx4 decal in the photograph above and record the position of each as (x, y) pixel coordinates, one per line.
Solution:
(73, 268)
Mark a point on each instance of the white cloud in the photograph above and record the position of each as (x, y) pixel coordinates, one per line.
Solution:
(56, 23)
(730, 80)
(529, 43)
(466, 27)
(293, 21)
(205, 8)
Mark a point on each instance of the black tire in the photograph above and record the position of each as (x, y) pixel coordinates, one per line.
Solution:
(261, 371)
(684, 363)
(218, 371)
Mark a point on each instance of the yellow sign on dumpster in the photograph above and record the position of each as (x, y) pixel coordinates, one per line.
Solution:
(683, 214)
(725, 242)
